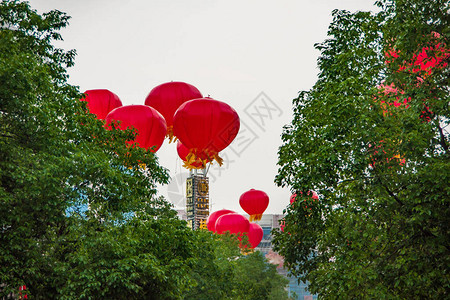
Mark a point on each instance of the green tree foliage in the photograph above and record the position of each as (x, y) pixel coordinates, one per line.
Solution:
(140, 259)
(378, 158)
(164, 259)
(224, 272)
(79, 218)
(55, 156)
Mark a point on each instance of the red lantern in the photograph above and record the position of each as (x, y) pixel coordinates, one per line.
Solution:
(211, 221)
(150, 125)
(234, 223)
(314, 196)
(206, 127)
(167, 97)
(101, 102)
(194, 162)
(254, 202)
(255, 234)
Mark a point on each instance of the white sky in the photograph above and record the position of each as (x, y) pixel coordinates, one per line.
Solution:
(231, 50)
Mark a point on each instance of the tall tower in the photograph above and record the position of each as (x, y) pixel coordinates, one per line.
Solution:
(197, 199)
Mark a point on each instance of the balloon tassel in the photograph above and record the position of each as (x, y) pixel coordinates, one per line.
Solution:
(218, 159)
(192, 159)
(255, 217)
(169, 134)
(246, 251)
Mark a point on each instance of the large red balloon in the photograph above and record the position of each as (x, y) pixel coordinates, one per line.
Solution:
(313, 194)
(254, 202)
(212, 218)
(234, 223)
(167, 97)
(255, 234)
(148, 122)
(101, 102)
(206, 127)
(194, 162)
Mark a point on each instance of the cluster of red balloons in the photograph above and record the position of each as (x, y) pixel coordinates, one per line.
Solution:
(149, 124)
(254, 202)
(225, 220)
(203, 126)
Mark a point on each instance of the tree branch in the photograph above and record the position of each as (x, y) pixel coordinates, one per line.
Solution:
(392, 194)
(442, 141)
(6, 135)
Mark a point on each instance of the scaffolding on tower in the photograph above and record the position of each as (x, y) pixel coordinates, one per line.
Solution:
(197, 199)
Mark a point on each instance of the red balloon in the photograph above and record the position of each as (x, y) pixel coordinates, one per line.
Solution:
(101, 102)
(234, 223)
(255, 234)
(167, 97)
(212, 218)
(254, 202)
(195, 162)
(313, 196)
(206, 127)
(150, 125)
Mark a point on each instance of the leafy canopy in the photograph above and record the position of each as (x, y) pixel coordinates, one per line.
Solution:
(371, 137)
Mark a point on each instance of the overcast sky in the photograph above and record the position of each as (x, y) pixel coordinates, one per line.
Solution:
(254, 55)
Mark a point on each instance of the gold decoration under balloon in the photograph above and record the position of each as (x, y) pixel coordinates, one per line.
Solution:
(194, 162)
(256, 217)
(170, 135)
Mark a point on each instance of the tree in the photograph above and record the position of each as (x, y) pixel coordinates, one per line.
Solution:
(79, 216)
(371, 138)
(225, 272)
(140, 259)
(55, 156)
(164, 259)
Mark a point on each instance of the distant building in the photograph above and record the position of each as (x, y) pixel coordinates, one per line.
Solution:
(269, 222)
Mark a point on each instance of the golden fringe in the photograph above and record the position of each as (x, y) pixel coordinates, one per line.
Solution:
(247, 251)
(169, 134)
(256, 217)
(218, 159)
(192, 159)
